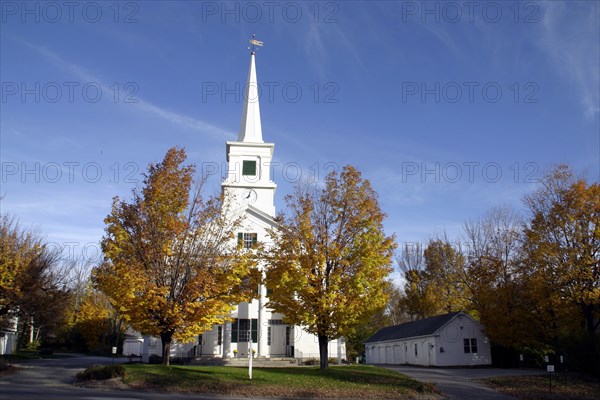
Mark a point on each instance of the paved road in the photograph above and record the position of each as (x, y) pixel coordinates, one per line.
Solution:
(461, 383)
(53, 379)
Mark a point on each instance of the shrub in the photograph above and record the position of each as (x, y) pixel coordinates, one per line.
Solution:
(46, 351)
(33, 346)
(155, 359)
(101, 372)
(582, 352)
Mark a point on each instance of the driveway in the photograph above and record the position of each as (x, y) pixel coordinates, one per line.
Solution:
(461, 383)
(53, 371)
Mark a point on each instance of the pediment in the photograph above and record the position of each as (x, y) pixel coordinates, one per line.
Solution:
(254, 214)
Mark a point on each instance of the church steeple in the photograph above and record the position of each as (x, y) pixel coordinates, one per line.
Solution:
(248, 181)
(250, 128)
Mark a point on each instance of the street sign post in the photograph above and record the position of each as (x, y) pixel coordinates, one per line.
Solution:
(250, 353)
(550, 369)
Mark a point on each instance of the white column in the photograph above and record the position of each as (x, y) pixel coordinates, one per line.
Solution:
(262, 323)
(339, 351)
(227, 340)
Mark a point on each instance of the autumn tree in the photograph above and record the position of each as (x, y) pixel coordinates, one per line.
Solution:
(355, 340)
(493, 253)
(172, 267)
(32, 285)
(97, 322)
(444, 266)
(417, 299)
(562, 249)
(434, 278)
(330, 260)
(395, 312)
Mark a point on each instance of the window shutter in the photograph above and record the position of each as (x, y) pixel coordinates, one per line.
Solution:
(240, 239)
(249, 168)
(234, 331)
(254, 330)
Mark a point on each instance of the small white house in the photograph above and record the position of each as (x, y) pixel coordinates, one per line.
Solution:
(453, 339)
(8, 337)
(133, 343)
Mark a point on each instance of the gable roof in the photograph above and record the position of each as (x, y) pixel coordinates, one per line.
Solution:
(423, 327)
(261, 215)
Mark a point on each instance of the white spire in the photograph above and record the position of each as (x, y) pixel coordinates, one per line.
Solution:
(250, 129)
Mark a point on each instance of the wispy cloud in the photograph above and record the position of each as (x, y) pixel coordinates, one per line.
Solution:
(322, 40)
(145, 106)
(569, 35)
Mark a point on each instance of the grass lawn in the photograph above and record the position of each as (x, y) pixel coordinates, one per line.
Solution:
(564, 387)
(336, 382)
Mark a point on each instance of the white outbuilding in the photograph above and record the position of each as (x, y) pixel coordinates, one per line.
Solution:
(454, 339)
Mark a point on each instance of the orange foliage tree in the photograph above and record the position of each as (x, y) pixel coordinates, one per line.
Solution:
(172, 267)
(327, 270)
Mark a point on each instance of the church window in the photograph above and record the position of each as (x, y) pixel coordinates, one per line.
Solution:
(276, 322)
(248, 240)
(219, 335)
(249, 168)
(242, 328)
(470, 345)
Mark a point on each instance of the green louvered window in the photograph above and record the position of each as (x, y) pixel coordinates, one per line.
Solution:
(240, 329)
(249, 168)
(247, 239)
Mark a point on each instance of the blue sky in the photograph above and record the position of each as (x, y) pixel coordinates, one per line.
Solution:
(449, 108)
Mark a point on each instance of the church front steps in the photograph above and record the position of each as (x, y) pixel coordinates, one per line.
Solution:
(243, 362)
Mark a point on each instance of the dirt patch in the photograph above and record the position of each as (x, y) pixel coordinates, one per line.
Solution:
(6, 368)
(292, 393)
(106, 384)
(564, 387)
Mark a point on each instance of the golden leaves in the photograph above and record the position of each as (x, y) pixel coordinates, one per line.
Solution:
(171, 265)
(330, 256)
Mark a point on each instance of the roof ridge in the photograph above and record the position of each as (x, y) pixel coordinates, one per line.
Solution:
(421, 327)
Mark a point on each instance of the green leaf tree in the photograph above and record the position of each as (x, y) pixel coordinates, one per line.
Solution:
(172, 266)
(328, 268)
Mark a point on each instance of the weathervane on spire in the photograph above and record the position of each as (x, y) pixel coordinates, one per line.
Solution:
(254, 43)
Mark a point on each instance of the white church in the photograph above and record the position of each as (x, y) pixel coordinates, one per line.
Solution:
(255, 330)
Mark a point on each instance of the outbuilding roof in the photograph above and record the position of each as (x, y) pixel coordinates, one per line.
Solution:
(423, 327)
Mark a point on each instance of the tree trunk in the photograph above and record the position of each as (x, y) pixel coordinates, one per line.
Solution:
(166, 338)
(590, 324)
(31, 330)
(323, 352)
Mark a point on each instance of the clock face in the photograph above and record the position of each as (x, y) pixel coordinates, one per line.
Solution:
(249, 196)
